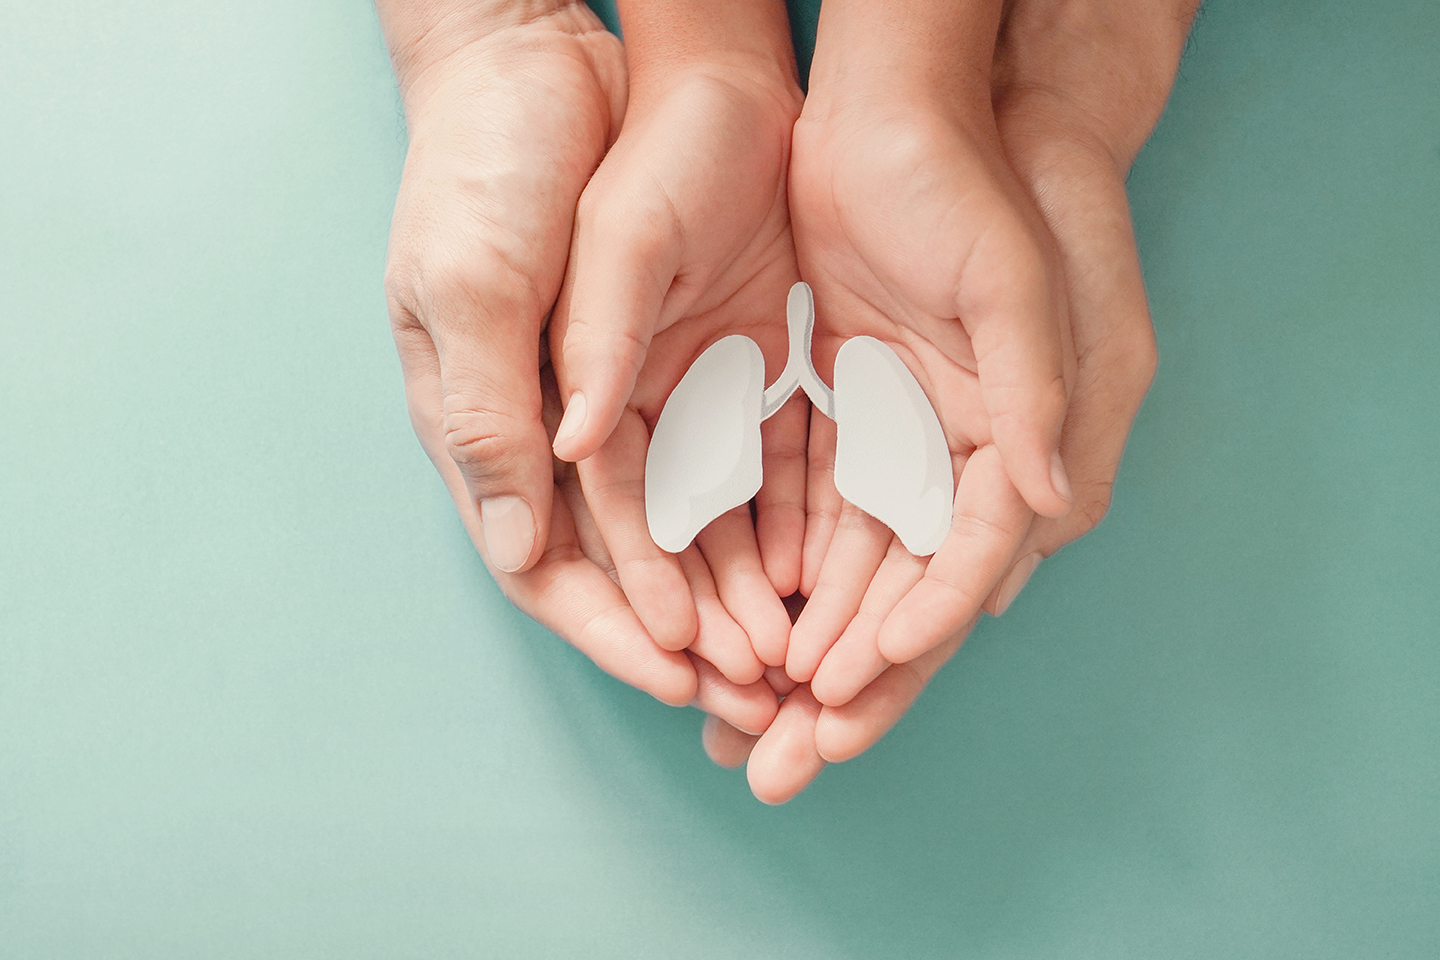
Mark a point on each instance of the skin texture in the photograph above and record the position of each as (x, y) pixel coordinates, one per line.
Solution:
(506, 124)
(1077, 88)
(912, 228)
(682, 237)
(510, 111)
(960, 197)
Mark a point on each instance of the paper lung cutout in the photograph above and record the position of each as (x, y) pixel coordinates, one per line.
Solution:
(704, 456)
(891, 459)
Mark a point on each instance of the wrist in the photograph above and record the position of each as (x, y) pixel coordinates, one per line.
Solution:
(937, 52)
(426, 40)
(668, 42)
(764, 92)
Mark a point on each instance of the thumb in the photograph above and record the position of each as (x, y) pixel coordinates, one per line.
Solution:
(1016, 320)
(486, 347)
(625, 254)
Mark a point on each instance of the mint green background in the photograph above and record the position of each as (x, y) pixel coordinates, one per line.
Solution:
(258, 698)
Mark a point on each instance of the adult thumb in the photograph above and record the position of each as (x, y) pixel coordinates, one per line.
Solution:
(486, 340)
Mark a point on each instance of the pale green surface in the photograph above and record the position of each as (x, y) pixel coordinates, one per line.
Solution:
(258, 697)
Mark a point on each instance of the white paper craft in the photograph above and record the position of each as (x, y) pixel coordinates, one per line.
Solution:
(891, 459)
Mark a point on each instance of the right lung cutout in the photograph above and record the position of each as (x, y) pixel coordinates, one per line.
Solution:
(704, 456)
(891, 459)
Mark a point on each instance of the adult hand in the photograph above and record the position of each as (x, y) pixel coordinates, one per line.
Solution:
(572, 590)
(682, 237)
(509, 112)
(508, 116)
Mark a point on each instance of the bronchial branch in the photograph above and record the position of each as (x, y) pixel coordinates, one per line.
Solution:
(799, 369)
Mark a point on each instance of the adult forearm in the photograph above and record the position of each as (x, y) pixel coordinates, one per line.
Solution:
(1104, 67)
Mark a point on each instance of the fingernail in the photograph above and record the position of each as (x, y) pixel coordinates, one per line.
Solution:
(1059, 479)
(1015, 581)
(509, 527)
(573, 420)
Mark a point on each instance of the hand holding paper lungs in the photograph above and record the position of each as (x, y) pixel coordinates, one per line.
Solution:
(891, 458)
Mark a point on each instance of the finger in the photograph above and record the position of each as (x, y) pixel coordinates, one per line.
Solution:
(844, 732)
(1013, 307)
(575, 599)
(614, 483)
(564, 591)
(749, 708)
(856, 550)
(587, 535)
(622, 261)
(779, 681)
(726, 745)
(990, 521)
(784, 759)
(733, 559)
(780, 505)
(823, 503)
(1115, 350)
(855, 659)
(481, 354)
(719, 640)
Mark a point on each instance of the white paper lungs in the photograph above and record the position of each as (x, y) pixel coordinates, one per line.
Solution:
(704, 455)
(891, 459)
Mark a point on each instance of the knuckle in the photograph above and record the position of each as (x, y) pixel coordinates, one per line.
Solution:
(491, 282)
(963, 596)
(400, 294)
(483, 443)
(625, 348)
(616, 489)
(1093, 504)
(786, 449)
(1052, 397)
(976, 528)
(614, 214)
(1145, 359)
(445, 282)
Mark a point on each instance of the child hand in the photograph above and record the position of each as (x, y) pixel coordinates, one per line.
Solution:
(1071, 131)
(682, 237)
(911, 228)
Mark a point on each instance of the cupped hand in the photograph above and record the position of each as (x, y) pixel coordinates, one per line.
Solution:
(805, 735)
(682, 237)
(506, 127)
(505, 130)
(572, 589)
(1071, 131)
(912, 228)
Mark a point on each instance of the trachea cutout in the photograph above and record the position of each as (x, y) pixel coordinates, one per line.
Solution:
(891, 459)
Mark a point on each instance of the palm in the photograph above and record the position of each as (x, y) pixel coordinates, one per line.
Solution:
(905, 230)
(907, 227)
